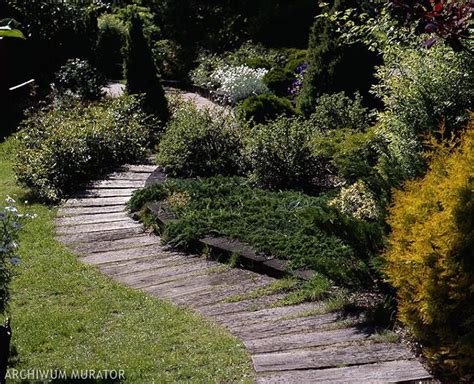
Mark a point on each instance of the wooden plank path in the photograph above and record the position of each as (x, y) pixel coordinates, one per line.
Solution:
(292, 344)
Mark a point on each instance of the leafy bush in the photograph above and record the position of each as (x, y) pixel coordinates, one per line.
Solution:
(202, 74)
(296, 59)
(289, 225)
(430, 258)
(338, 111)
(420, 89)
(57, 31)
(110, 45)
(11, 223)
(141, 73)
(258, 62)
(351, 154)
(279, 81)
(237, 83)
(200, 143)
(67, 146)
(262, 108)
(78, 79)
(279, 155)
(358, 201)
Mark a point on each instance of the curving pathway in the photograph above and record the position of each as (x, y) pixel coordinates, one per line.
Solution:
(293, 344)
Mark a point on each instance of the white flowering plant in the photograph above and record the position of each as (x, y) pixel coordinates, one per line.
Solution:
(358, 201)
(239, 82)
(10, 224)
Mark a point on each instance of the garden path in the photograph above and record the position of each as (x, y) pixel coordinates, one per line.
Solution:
(293, 344)
(289, 344)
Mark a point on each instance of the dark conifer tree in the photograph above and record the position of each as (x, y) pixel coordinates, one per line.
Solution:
(141, 73)
(335, 66)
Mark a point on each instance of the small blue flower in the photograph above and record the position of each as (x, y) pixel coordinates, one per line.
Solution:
(15, 261)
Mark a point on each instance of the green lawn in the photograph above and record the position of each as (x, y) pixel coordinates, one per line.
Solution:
(66, 315)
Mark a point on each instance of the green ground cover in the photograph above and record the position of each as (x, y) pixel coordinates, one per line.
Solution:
(66, 315)
(304, 229)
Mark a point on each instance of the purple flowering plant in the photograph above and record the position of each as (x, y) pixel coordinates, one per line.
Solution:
(297, 84)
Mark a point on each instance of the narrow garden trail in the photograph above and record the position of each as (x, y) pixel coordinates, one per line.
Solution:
(288, 344)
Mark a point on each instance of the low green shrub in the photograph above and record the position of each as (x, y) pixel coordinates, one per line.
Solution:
(258, 62)
(430, 259)
(66, 146)
(339, 111)
(279, 81)
(279, 155)
(295, 59)
(303, 229)
(78, 79)
(260, 109)
(201, 143)
(351, 154)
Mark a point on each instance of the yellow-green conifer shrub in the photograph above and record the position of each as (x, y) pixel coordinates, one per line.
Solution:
(430, 258)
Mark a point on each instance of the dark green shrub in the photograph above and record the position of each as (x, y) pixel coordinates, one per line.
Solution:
(141, 73)
(78, 79)
(279, 155)
(56, 31)
(262, 108)
(257, 62)
(338, 111)
(200, 143)
(430, 259)
(335, 66)
(296, 59)
(279, 81)
(110, 45)
(67, 146)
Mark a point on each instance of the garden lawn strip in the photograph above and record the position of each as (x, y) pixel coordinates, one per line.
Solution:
(288, 344)
(67, 316)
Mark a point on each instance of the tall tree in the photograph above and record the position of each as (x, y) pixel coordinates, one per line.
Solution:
(141, 73)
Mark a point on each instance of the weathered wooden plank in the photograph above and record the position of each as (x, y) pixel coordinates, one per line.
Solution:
(128, 176)
(138, 265)
(91, 219)
(282, 327)
(240, 306)
(387, 372)
(97, 201)
(100, 227)
(329, 357)
(219, 294)
(279, 343)
(112, 192)
(268, 314)
(100, 236)
(126, 254)
(109, 184)
(81, 211)
(115, 245)
(211, 281)
(139, 168)
(163, 275)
